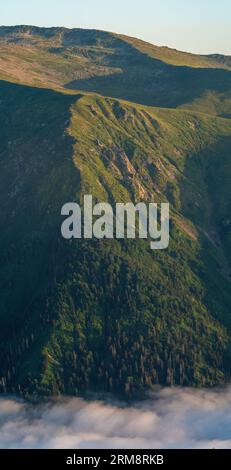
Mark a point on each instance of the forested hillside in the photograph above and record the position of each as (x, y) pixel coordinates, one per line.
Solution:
(93, 112)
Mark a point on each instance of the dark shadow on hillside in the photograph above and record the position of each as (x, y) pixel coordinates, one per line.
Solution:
(146, 80)
(206, 201)
(37, 176)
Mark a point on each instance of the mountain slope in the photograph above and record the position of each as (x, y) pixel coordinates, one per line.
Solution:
(109, 315)
(116, 66)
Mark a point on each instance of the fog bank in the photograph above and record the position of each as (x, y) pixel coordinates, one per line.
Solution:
(170, 418)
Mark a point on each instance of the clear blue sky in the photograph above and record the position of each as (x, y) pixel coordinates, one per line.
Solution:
(202, 26)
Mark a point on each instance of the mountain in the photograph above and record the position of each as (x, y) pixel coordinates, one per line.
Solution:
(116, 66)
(95, 112)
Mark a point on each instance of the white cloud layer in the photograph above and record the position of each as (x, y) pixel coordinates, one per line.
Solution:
(170, 418)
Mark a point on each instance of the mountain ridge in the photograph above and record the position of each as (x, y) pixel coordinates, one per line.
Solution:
(59, 29)
(116, 66)
(111, 315)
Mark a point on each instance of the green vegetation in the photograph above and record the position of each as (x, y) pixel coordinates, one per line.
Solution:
(112, 315)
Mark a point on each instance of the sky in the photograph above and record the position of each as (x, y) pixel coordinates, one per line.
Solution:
(200, 26)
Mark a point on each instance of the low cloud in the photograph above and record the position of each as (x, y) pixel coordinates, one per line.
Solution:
(170, 418)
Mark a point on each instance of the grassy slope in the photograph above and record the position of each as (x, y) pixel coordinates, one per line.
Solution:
(110, 316)
(175, 57)
(117, 66)
(82, 328)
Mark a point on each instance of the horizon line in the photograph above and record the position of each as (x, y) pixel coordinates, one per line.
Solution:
(118, 34)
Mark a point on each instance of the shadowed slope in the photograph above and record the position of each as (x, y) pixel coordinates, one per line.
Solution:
(111, 316)
(117, 66)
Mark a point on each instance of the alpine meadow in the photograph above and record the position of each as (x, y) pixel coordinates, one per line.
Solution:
(90, 112)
